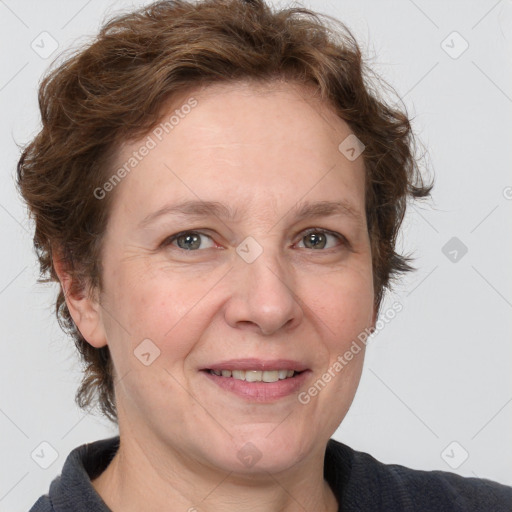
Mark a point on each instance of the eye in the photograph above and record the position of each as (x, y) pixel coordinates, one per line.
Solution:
(312, 239)
(189, 240)
(319, 239)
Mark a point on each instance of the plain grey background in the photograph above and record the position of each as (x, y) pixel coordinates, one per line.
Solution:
(436, 390)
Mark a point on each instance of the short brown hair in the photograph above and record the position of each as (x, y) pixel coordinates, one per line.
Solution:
(114, 90)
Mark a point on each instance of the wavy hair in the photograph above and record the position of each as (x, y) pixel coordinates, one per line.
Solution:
(114, 89)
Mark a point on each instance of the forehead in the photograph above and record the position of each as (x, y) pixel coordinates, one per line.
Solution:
(242, 141)
(270, 113)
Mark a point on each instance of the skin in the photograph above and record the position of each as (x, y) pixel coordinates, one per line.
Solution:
(262, 150)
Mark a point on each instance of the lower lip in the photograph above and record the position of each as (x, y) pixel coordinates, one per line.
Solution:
(260, 391)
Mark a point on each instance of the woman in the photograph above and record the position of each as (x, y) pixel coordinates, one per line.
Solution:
(218, 193)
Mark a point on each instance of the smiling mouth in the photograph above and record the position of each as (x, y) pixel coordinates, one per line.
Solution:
(255, 375)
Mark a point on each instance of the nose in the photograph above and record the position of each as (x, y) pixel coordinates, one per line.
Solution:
(263, 298)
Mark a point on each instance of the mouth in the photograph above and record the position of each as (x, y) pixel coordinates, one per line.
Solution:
(256, 375)
(256, 380)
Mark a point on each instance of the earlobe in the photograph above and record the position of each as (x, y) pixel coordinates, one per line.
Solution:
(83, 306)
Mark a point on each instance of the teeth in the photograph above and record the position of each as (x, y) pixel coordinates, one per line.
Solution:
(272, 376)
(255, 375)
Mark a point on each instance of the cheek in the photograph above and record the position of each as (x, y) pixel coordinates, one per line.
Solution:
(344, 303)
(167, 309)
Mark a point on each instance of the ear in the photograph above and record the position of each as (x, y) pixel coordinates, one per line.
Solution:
(83, 306)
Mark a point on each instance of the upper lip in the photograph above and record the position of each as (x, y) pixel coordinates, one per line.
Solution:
(258, 364)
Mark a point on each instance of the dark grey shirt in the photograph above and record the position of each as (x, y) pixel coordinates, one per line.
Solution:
(359, 482)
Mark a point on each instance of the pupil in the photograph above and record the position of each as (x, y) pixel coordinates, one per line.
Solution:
(316, 239)
(187, 239)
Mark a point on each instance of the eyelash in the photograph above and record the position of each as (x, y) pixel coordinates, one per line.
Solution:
(343, 241)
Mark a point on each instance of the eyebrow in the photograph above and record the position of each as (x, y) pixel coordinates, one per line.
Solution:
(201, 209)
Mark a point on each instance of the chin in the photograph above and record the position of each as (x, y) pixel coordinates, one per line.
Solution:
(261, 450)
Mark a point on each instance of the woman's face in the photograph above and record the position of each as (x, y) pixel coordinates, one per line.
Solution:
(248, 285)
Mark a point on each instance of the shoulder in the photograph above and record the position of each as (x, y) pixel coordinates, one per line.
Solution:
(72, 489)
(43, 504)
(369, 484)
